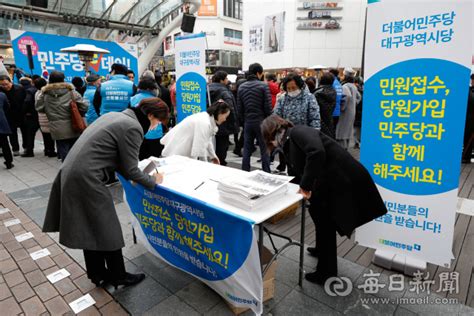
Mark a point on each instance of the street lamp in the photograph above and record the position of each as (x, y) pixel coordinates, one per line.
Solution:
(86, 53)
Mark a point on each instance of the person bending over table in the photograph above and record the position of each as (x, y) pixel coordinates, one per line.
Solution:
(193, 136)
(342, 193)
(81, 207)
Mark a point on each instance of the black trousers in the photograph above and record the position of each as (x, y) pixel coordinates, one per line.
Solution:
(48, 141)
(239, 141)
(104, 265)
(64, 146)
(30, 127)
(468, 144)
(7, 153)
(222, 146)
(252, 132)
(14, 136)
(335, 120)
(326, 243)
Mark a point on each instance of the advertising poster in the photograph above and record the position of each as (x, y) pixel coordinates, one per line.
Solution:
(417, 60)
(275, 33)
(256, 38)
(208, 8)
(190, 56)
(47, 55)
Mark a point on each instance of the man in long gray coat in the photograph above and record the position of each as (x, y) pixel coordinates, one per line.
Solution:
(81, 207)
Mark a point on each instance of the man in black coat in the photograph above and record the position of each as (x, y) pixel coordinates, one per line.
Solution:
(16, 95)
(218, 91)
(342, 193)
(165, 96)
(30, 123)
(254, 102)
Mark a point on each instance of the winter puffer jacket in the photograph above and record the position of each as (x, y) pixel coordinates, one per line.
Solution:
(54, 100)
(300, 110)
(254, 101)
(326, 97)
(220, 91)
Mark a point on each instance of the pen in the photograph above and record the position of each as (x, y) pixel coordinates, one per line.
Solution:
(199, 186)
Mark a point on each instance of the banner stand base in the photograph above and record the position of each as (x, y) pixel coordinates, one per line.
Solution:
(392, 261)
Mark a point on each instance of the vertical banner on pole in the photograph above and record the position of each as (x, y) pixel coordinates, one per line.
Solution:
(190, 54)
(417, 67)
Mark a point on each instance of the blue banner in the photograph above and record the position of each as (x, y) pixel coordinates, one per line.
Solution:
(415, 98)
(47, 55)
(190, 75)
(198, 238)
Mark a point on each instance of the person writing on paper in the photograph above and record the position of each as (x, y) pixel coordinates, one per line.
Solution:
(342, 193)
(81, 207)
(193, 137)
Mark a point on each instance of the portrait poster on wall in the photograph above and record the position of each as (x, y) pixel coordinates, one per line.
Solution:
(275, 33)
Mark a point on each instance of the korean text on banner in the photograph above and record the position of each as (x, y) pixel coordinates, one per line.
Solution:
(190, 55)
(47, 55)
(418, 57)
(213, 245)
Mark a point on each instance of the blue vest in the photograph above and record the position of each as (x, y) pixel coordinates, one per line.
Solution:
(91, 114)
(135, 100)
(116, 94)
(338, 87)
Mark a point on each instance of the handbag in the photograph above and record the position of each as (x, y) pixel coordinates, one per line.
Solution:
(78, 124)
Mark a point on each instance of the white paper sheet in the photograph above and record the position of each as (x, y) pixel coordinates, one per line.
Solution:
(58, 275)
(12, 222)
(40, 254)
(4, 210)
(23, 237)
(82, 303)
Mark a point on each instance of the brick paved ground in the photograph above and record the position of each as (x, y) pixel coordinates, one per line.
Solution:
(24, 288)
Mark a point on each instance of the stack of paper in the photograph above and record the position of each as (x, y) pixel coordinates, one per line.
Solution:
(252, 190)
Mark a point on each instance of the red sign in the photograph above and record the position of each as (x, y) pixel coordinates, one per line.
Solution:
(27, 40)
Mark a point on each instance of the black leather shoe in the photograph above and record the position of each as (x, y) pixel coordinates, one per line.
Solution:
(313, 251)
(237, 153)
(318, 277)
(9, 165)
(130, 279)
(27, 155)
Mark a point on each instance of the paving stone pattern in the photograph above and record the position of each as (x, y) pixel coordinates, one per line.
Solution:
(24, 288)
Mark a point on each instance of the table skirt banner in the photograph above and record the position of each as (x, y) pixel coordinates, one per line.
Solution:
(215, 246)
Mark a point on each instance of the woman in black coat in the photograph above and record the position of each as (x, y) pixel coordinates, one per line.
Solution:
(342, 193)
(326, 97)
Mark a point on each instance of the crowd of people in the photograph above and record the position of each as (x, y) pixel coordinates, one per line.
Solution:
(127, 123)
(308, 123)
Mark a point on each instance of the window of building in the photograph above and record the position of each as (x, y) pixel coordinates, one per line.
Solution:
(232, 33)
(233, 9)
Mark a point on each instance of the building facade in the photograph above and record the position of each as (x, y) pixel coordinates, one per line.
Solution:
(221, 20)
(284, 34)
